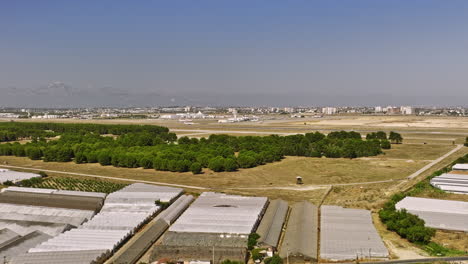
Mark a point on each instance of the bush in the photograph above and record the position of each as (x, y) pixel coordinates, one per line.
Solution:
(252, 241)
(8, 183)
(273, 260)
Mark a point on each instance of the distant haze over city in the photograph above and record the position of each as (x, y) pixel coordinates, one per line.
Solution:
(233, 53)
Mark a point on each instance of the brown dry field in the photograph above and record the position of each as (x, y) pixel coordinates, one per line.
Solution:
(396, 164)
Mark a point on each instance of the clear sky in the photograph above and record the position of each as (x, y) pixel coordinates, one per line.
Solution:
(234, 52)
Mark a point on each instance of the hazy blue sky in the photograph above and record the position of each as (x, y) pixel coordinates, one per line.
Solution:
(234, 52)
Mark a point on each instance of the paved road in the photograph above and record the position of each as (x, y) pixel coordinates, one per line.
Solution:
(423, 169)
(107, 177)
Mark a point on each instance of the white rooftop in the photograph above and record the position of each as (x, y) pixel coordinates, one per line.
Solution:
(221, 213)
(442, 214)
(460, 166)
(15, 176)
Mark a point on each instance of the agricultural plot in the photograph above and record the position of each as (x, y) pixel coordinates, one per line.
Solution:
(84, 185)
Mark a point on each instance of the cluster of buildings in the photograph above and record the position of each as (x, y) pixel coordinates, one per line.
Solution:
(224, 113)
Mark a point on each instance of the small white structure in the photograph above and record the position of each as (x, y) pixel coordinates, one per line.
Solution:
(460, 167)
(15, 176)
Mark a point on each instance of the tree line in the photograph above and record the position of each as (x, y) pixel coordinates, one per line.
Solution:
(12, 131)
(156, 148)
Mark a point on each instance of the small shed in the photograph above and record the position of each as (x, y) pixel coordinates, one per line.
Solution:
(299, 180)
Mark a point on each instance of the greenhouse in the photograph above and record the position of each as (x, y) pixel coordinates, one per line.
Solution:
(440, 214)
(348, 234)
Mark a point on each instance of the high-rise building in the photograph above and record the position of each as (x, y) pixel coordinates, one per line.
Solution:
(329, 110)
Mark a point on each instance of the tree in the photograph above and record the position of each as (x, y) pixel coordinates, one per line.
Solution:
(230, 165)
(196, 168)
(385, 144)
(33, 153)
(466, 142)
(104, 158)
(216, 164)
(395, 138)
(146, 162)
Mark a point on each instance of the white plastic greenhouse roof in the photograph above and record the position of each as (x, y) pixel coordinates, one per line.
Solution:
(83, 239)
(124, 211)
(441, 214)
(221, 213)
(347, 233)
(460, 166)
(455, 183)
(15, 176)
(14, 212)
(54, 191)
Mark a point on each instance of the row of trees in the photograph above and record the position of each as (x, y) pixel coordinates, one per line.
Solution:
(394, 137)
(158, 149)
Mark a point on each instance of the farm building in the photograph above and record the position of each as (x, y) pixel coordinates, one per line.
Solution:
(214, 223)
(460, 167)
(272, 222)
(348, 234)
(300, 238)
(440, 214)
(122, 214)
(449, 182)
(15, 176)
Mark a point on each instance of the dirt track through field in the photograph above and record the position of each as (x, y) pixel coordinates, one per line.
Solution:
(428, 166)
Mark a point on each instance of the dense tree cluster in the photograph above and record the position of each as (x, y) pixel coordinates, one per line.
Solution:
(11, 131)
(144, 146)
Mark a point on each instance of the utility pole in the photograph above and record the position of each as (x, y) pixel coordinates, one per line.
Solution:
(213, 256)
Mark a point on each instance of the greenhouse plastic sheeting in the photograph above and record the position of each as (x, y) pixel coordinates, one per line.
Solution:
(347, 234)
(221, 213)
(54, 191)
(272, 222)
(455, 183)
(124, 211)
(15, 176)
(441, 214)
